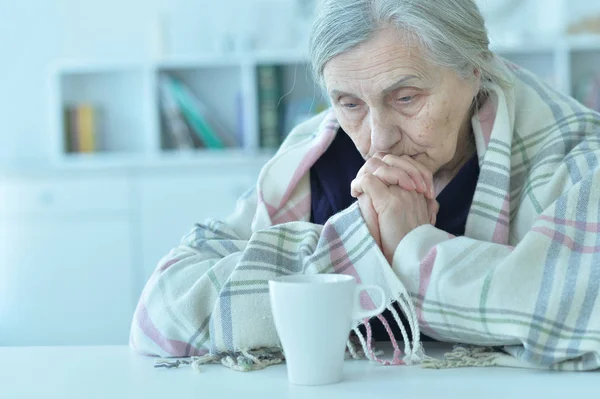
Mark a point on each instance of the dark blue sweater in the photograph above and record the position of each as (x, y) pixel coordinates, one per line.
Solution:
(330, 179)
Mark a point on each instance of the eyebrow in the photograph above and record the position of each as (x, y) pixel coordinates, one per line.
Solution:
(399, 84)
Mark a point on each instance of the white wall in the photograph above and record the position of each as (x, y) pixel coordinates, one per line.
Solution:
(33, 34)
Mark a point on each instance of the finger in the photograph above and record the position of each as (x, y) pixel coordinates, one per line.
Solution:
(417, 171)
(433, 207)
(422, 170)
(395, 176)
(357, 188)
(408, 167)
(370, 166)
(426, 174)
(370, 217)
(376, 190)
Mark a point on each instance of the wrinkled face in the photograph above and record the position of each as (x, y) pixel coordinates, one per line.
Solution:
(388, 98)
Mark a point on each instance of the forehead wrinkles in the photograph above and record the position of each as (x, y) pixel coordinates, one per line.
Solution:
(373, 75)
(374, 60)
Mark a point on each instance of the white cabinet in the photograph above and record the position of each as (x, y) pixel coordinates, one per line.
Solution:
(66, 270)
(75, 251)
(171, 204)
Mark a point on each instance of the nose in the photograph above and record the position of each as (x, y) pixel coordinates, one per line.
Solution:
(384, 133)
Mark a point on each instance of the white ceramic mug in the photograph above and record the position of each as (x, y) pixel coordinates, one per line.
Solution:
(313, 316)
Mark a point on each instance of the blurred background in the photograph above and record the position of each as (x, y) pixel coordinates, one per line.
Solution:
(123, 122)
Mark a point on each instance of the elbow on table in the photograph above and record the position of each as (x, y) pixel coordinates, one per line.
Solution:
(149, 339)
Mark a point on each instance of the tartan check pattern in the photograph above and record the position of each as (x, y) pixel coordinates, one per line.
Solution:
(524, 279)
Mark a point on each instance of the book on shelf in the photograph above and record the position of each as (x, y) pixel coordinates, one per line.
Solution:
(189, 120)
(174, 125)
(240, 119)
(278, 115)
(270, 82)
(81, 122)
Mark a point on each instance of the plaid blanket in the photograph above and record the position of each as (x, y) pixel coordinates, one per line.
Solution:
(524, 279)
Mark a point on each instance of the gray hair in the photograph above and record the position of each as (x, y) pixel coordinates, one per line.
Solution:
(452, 33)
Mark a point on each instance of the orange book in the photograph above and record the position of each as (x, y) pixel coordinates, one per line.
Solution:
(86, 123)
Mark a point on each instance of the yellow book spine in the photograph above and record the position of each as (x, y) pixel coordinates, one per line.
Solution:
(87, 128)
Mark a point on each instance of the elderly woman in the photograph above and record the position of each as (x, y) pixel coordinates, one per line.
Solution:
(460, 183)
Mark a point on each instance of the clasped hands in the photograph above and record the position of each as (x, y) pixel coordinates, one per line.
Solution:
(395, 195)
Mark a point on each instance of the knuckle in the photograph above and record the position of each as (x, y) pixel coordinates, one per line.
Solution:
(373, 163)
(387, 158)
(367, 178)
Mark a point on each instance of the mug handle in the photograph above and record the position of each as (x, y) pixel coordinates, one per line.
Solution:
(359, 312)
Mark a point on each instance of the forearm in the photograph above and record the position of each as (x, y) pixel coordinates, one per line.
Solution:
(211, 293)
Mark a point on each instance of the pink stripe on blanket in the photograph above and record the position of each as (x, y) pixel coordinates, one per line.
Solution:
(567, 241)
(325, 139)
(270, 208)
(295, 213)
(580, 225)
(326, 134)
(501, 231)
(171, 346)
(425, 271)
(341, 262)
(167, 264)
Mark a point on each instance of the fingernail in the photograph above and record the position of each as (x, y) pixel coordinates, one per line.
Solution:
(424, 185)
(414, 185)
(432, 193)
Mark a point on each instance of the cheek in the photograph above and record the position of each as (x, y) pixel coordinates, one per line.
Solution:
(359, 135)
(428, 128)
(445, 130)
(355, 127)
(444, 121)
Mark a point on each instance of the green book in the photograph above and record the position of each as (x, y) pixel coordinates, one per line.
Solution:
(187, 104)
(269, 96)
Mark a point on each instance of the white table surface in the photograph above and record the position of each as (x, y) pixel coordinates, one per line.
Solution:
(111, 372)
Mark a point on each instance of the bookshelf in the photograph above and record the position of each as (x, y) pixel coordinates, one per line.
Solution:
(127, 96)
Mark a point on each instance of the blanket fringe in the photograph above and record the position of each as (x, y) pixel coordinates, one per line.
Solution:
(414, 352)
(242, 361)
(417, 352)
(260, 358)
(248, 360)
(463, 356)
